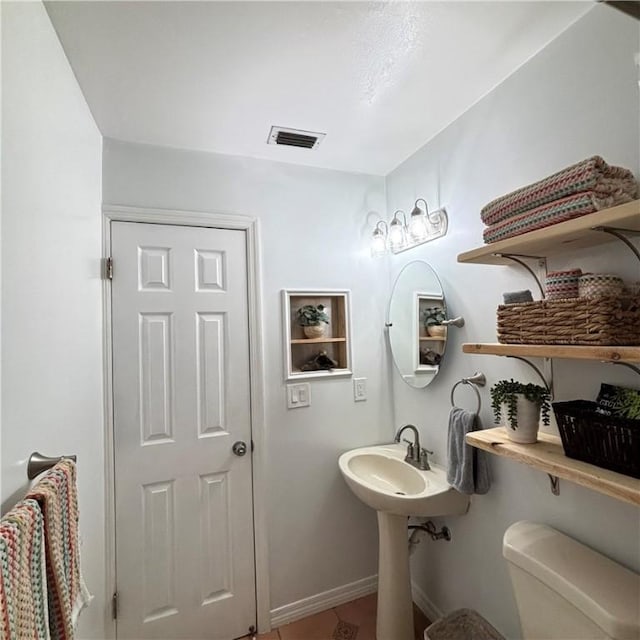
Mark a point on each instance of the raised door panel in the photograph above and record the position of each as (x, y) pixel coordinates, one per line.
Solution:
(156, 378)
(211, 357)
(158, 526)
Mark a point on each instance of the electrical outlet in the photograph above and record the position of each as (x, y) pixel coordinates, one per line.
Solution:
(359, 389)
(298, 395)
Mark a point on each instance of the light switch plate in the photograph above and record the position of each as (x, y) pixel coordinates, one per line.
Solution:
(298, 395)
(359, 389)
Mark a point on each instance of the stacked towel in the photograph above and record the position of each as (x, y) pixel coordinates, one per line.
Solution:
(582, 188)
(56, 494)
(23, 591)
(468, 469)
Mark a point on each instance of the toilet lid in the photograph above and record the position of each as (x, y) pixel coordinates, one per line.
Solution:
(604, 591)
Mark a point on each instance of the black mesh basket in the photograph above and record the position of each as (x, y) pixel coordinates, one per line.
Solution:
(606, 441)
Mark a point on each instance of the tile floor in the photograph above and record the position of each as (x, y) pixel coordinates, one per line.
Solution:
(354, 620)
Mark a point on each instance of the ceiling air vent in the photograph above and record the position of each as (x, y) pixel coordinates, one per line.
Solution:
(295, 137)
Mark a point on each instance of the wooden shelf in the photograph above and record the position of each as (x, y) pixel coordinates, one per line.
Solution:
(422, 368)
(547, 455)
(431, 339)
(324, 373)
(603, 354)
(572, 234)
(316, 340)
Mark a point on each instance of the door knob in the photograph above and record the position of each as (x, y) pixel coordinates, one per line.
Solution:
(239, 448)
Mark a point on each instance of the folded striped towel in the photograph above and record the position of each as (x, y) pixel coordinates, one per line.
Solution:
(56, 493)
(23, 591)
(608, 186)
(574, 206)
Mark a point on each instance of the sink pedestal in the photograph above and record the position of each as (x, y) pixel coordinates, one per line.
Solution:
(383, 480)
(395, 604)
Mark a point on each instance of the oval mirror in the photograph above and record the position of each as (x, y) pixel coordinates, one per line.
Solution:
(417, 338)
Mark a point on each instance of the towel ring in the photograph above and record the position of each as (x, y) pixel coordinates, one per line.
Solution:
(474, 381)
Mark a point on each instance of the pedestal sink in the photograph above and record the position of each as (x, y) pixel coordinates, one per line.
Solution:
(381, 478)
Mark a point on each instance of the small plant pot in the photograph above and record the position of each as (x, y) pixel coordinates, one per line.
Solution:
(527, 418)
(313, 331)
(437, 330)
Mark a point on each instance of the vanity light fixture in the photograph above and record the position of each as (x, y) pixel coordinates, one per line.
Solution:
(398, 236)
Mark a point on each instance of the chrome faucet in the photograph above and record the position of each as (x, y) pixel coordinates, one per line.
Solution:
(416, 455)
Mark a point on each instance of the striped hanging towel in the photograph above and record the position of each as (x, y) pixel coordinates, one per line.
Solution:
(56, 493)
(23, 591)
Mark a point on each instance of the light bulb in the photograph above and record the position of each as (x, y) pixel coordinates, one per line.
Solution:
(418, 226)
(378, 243)
(397, 235)
(419, 222)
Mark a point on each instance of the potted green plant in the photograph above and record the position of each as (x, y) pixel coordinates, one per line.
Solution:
(519, 406)
(433, 318)
(311, 318)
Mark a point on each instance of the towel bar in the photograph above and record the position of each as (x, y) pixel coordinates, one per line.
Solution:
(39, 463)
(474, 381)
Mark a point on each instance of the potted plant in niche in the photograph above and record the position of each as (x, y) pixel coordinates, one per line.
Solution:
(312, 318)
(433, 318)
(518, 408)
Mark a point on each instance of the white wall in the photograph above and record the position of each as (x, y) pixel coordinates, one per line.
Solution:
(576, 98)
(52, 398)
(314, 235)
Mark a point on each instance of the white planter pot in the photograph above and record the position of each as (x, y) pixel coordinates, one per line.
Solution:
(314, 331)
(528, 419)
(437, 330)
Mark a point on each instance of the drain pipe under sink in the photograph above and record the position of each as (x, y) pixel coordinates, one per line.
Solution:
(426, 527)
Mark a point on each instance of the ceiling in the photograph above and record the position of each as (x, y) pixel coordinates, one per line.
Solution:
(379, 78)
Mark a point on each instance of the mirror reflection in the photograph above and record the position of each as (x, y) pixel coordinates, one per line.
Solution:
(416, 334)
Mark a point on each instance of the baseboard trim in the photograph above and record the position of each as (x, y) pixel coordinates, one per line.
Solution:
(425, 603)
(323, 601)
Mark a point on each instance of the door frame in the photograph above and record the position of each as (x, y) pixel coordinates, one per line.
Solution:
(251, 227)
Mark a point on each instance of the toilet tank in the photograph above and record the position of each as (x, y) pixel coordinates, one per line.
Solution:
(564, 590)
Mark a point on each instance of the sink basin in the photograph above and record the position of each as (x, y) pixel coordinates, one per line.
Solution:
(381, 478)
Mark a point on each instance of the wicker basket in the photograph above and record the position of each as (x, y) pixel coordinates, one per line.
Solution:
(606, 441)
(562, 284)
(605, 320)
(462, 624)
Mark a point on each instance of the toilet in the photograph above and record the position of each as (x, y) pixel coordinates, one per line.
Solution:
(564, 590)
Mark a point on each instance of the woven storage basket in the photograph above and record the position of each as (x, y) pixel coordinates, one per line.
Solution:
(592, 285)
(604, 320)
(562, 284)
(606, 441)
(462, 624)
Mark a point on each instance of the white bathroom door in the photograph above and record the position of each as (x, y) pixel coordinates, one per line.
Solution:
(183, 498)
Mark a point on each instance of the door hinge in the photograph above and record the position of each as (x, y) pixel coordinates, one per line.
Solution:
(108, 268)
(114, 605)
